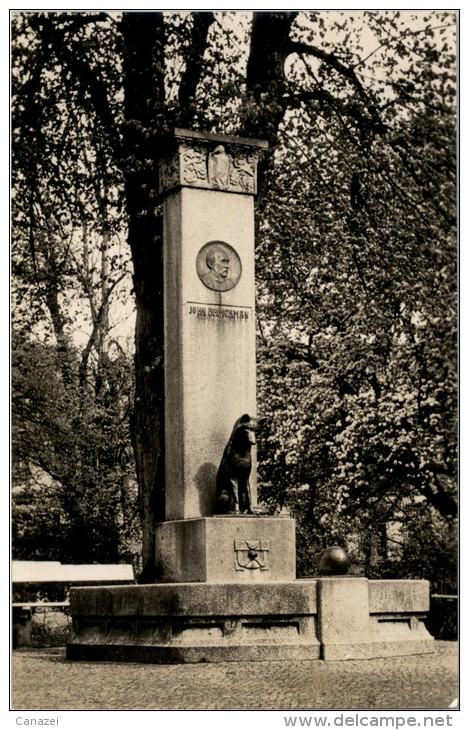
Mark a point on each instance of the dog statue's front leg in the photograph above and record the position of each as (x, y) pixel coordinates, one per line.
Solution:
(235, 494)
(244, 497)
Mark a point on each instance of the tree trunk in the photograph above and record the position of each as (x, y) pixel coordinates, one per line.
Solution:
(265, 78)
(266, 86)
(143, 35)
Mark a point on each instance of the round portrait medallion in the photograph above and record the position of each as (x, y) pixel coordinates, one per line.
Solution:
(218, 266)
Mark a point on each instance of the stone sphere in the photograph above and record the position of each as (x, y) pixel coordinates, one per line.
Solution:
(333, 561)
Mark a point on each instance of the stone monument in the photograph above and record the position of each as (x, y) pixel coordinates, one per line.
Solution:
(225, 586)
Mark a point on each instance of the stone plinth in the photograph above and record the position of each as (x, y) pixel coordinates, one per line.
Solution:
(361, 619)
(226, 550)
(194, 623)
(329, 618)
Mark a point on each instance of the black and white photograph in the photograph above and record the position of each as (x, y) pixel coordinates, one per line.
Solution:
(234, 365)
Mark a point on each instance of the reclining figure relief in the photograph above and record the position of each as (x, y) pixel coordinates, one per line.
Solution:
(233, 490)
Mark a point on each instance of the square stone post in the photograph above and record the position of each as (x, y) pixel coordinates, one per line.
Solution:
(344, 617)
(208, 183)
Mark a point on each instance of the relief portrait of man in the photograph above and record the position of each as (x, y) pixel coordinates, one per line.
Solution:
(221, 270)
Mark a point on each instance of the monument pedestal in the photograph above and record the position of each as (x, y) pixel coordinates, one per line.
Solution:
(328, 618)
(226, 549)
(194, 622)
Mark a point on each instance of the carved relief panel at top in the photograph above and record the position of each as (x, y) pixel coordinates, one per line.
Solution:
(212, 166)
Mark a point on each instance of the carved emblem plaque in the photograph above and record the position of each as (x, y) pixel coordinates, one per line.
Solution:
(219, 165)
(252, 554)
(218, 266)
(211, 162)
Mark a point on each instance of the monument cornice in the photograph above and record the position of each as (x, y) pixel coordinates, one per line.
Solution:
(228, 139)
(210, 162)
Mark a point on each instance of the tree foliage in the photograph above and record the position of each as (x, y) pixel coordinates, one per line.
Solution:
(355, 230)
(357, 269)
(74, 484)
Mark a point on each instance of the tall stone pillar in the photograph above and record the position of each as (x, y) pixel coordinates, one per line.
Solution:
(208, 183)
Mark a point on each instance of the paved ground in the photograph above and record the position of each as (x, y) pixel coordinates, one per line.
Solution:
(44, 679)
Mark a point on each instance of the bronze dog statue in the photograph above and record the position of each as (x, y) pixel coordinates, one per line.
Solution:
(233, 490)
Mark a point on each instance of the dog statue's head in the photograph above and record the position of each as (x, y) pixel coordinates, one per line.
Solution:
(247, 426)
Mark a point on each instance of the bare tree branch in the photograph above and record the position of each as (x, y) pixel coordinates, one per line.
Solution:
(89, 79)
(100, 318)
(194, 55)
(348, 73)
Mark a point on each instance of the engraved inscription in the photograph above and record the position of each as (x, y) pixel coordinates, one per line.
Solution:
(251, 554)
(202, 311)
(218, 266)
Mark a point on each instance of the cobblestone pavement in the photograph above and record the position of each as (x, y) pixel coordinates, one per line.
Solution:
(44, 679)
